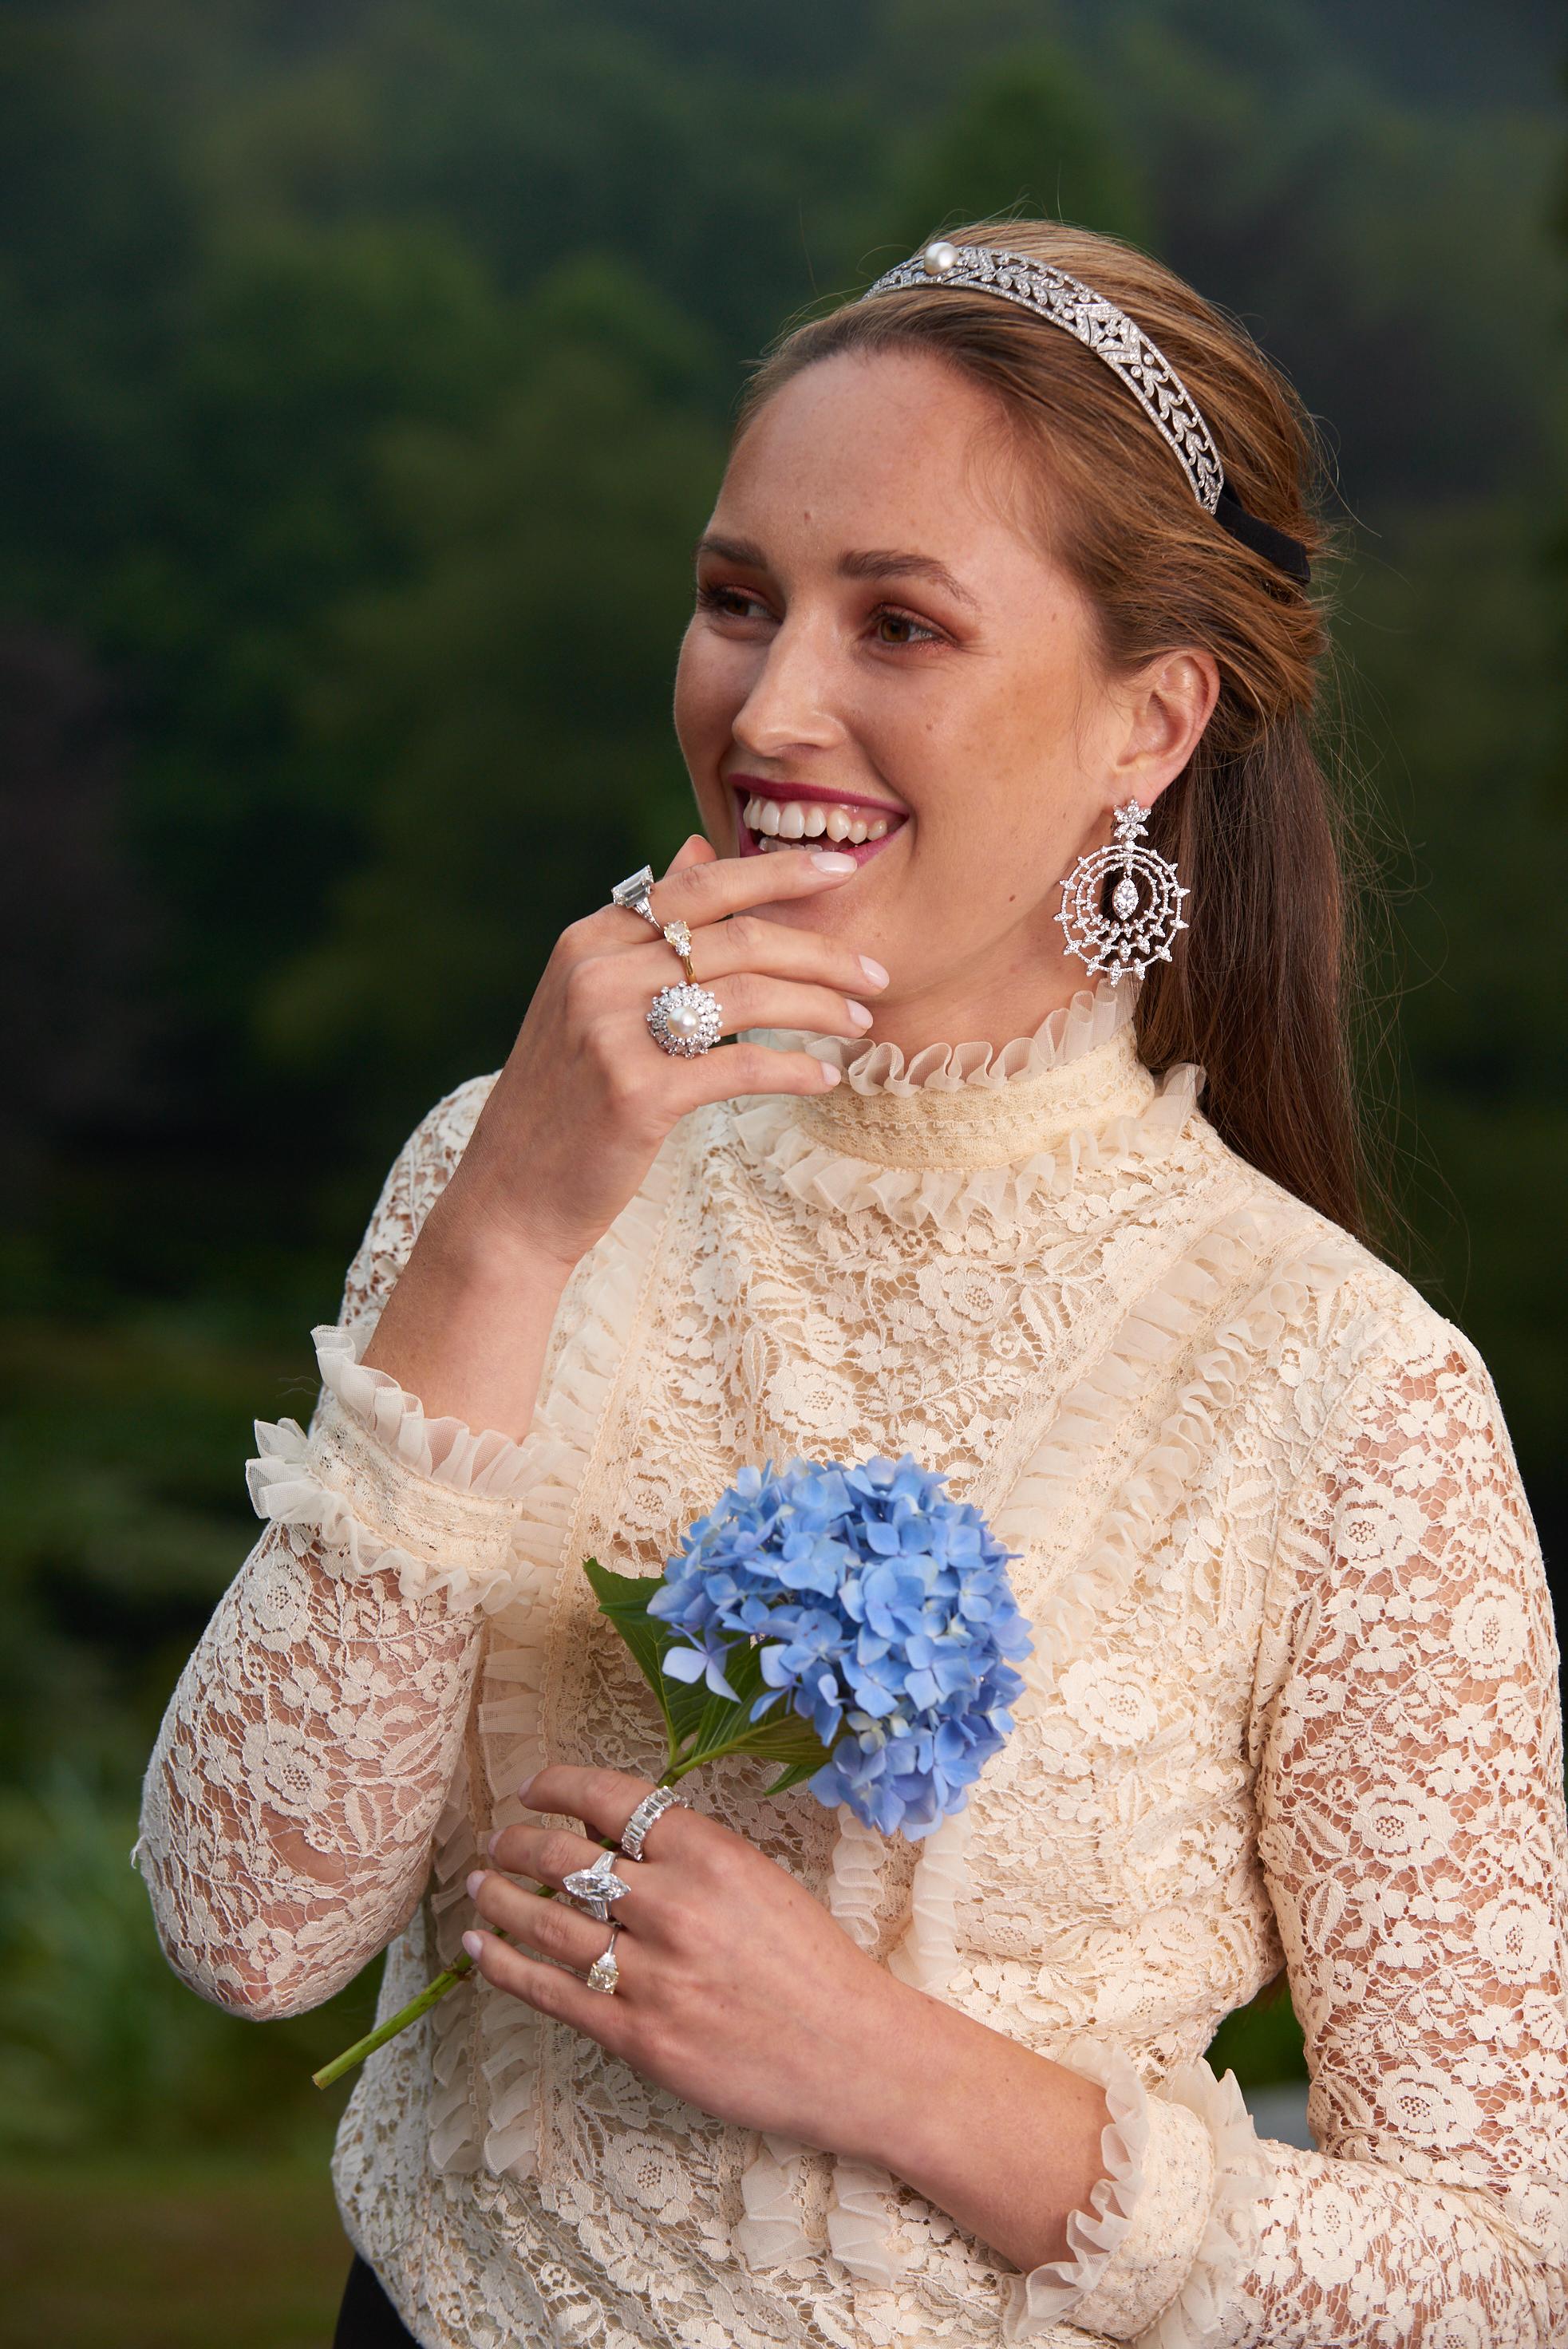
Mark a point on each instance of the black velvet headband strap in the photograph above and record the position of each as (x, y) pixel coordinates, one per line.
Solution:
(1280, 548)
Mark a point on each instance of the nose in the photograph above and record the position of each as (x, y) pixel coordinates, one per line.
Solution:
(789, 705)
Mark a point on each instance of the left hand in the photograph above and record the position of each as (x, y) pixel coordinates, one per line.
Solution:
(737, 1990)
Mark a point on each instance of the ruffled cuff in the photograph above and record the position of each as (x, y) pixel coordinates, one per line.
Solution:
(389, 1491)
(1045, 2295)
(1243, 2172)
(1150, 2260)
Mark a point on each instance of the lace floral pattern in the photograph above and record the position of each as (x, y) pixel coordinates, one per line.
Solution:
(1292, 1702)
(306, 1754)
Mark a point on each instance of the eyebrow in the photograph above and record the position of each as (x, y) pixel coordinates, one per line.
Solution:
(866, 563)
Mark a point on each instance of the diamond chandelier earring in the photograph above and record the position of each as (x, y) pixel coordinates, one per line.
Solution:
(1122, 925)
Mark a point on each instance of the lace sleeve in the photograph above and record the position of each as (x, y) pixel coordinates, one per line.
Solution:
(1412, 1829)
(300, 1770)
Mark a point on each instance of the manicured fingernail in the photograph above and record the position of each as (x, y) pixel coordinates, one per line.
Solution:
(474, 1881)
(525, 1789)
(874, 971)
(858, 1013)
(830, 860)
(474, 1944)
(831, 1072)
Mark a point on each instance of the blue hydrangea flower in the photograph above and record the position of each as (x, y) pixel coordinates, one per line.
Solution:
(884, 1616)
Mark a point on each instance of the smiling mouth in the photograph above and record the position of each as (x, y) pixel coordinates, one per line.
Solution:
(778, 817)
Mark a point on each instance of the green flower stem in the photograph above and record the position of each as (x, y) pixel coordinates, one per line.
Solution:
(431, 1996)
(434, 1992)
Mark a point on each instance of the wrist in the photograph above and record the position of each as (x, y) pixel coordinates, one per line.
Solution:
(467, 1324)
(887, 2123)
(471, 1247)
(1007, 2142)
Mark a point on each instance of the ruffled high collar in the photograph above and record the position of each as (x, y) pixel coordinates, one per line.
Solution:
(960, 1129)
(968, 1105)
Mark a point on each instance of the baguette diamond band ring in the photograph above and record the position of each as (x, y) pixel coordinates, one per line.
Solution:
(652, 1806)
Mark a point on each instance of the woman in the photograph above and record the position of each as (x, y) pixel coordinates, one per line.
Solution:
(989, 565)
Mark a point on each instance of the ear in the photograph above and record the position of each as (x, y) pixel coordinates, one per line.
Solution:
(1168, 707)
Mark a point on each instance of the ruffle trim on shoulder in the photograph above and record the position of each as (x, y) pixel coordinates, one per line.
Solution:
(445, 1451)
(1152, 1335)
(1052, 2291)
(487, 2053)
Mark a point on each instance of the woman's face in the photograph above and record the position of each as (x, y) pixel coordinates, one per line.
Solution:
(881, 659)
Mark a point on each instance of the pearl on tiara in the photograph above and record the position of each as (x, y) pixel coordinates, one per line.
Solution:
(939, 257)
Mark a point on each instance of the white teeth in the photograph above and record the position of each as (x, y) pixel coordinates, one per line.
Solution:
(793, 819)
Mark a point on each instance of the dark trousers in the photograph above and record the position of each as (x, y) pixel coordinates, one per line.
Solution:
(367, 2318)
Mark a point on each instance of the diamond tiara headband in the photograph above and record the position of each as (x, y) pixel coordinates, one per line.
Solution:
(1112, 335)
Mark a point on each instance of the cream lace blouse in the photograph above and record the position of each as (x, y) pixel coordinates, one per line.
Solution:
(1292, 1702)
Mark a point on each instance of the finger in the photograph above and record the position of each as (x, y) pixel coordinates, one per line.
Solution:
(750, 1000)
(747, 1000)
(603, 1799)
(749, 946)
(696, 849)
(713, 890)
(552, 1928)
(547, 1855)
(550, 1990)
(732, 1071)
(751, 942)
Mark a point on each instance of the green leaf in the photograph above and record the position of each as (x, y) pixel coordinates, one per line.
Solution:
(781, 1736)
(623, 1602)
(700, 1725)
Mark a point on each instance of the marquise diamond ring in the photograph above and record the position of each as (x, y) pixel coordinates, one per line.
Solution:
(595, 1888)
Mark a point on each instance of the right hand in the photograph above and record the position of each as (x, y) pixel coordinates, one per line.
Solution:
(576, 1115)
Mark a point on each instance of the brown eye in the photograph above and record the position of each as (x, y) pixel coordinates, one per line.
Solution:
(723, 601)
(906, 620)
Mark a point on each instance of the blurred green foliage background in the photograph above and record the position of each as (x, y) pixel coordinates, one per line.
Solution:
(364, 373)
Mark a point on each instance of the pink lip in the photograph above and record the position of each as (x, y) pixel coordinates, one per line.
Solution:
(752, 787)
(746, 787)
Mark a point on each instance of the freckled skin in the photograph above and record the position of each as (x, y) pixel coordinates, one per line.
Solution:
(1001, 737)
